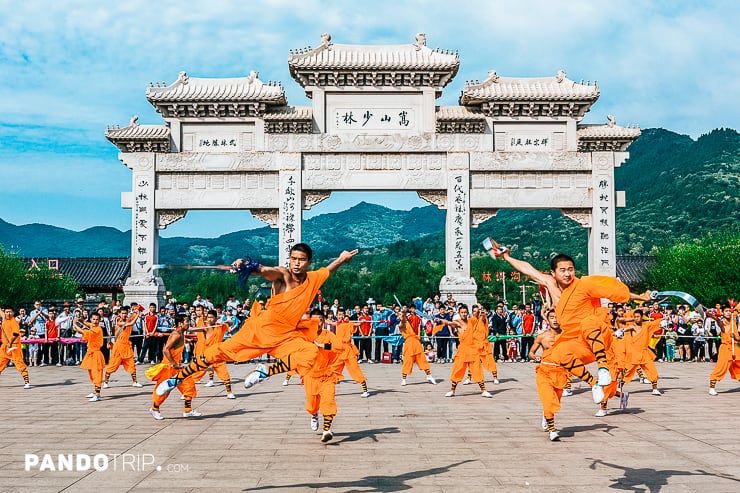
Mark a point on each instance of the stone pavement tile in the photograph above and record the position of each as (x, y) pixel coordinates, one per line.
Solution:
(410, 437)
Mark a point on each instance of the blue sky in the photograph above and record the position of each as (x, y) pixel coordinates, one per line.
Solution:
(70, 68)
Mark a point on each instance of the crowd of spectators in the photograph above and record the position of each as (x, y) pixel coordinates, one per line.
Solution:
(49, 337)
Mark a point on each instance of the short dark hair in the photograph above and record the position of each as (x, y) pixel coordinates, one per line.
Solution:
(212, 312)
(560, 257)
(318, 312)
(180, 318)
(303, 247)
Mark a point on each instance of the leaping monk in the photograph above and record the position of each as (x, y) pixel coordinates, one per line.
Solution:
(272, 330)
(576, 301)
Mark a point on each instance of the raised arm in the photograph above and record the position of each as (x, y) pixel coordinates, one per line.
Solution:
(526, 268)
(343, 258)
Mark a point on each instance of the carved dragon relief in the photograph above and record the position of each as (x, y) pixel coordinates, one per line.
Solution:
(434, 197)
(311, 198)
(581, 216)
(268, 216)
(479, 216)
(167, 217)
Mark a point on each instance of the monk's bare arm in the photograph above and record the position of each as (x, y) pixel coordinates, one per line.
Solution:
(172, 341)
(343, 258)
(528, 270)
(535, 346)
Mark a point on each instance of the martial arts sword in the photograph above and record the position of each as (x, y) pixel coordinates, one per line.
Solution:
(157, 267)
(654, 295)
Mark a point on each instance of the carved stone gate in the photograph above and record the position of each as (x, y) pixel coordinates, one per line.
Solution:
(234, 143)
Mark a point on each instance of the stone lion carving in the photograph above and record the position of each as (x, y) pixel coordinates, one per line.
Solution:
(421, 40)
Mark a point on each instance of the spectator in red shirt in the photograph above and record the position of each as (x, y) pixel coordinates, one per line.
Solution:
(528, 334)
(365, 333)
(148, 351)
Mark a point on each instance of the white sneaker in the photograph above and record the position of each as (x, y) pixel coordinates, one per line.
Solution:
(713, 391)
(605, 378)
(315, 422)
(644, 380)
(27, 386)
(467, 381)
(259, 375)
(554, 436)
(600, 413)
(230, 396)
(486, 394)
(91, 394)
(656, 392)
(59, 364)
(326, 436)
(450, 394)
(567, 393)
(136, 384)
(94, 398)
(431, 380)
(365, 394)
(157, 415)
(105, 385)
(624, 399)
(403, 382)
(210, 383)
(597, 391)
(285, 383)
(191, 414)
(182, 397)
(544, 424)
(495, 381)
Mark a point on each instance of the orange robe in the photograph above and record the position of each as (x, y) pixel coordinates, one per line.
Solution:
(94, 361)
(122, 352)
(10, 346)
(485, 348)
(468, 353)
(273, 330)
(186, 387)
(551, 379)
(579, 322)
(216, 337)
(728, 356)
(642, 356)
(349, 353)
(321, 380)
(413, 352)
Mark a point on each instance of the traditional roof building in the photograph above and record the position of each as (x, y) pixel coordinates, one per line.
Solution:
(373, 125)
(94, 274)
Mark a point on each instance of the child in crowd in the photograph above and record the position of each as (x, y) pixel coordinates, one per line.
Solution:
(512, 347)
(431, 353)
(33, 349)
(671, 336)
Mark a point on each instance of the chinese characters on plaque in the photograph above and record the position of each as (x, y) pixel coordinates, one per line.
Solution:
(602, 221)
(142, 231)
(215, 144)
(459, 218)
(529, 143)
(289, 211)
(374, 119)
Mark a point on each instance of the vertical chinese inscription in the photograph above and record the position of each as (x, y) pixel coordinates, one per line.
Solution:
(144, 229)
(290, 210)
(603, 235)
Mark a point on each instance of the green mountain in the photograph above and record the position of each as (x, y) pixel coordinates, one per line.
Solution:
(677, 188)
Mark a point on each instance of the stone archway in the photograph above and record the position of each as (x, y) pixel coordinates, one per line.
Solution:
(235, 143)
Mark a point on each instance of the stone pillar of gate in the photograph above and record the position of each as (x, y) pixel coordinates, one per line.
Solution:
(457, 280)
(143, 286)
(290, 216)
(602, 238)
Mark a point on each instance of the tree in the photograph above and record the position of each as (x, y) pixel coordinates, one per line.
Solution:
(21, 285)
(708, 268)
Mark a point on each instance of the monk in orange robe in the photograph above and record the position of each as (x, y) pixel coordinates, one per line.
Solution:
(413, 352)
(272, 330)
(121, 352)
(94, 361)
(320, 381)
(468, 354)
(168, 368)
(726, 359)
(10, 345)
(576, 300)
(485, 347)
(551, 378)
(642, 356)
(349, 352)
(211, 333)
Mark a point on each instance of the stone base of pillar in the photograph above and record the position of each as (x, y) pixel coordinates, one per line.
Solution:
(462, 289)
(144, 290)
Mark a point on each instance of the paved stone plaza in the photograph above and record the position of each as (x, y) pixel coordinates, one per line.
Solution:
(401, 438)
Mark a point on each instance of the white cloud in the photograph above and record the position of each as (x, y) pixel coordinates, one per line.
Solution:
(71, 68)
